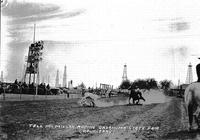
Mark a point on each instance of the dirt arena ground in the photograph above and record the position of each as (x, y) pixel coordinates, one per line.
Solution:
(65, 119)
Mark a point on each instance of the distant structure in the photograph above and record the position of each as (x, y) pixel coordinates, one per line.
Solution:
(124, 77)
(65, 77)
(189, 78)
(33, 59)
(1, 76)
(105, 86)
(179, 82)
(23, 73)
(70, 84)
(57, 79)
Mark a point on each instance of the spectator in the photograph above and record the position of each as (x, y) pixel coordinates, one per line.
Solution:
(109, 94)
(48, 87)
(83, 92)
(67, 94)
(16, 82)
(44, 88)
(1, 89)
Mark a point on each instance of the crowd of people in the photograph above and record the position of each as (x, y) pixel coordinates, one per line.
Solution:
(19, 87)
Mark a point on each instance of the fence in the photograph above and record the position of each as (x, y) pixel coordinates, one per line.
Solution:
(26, 97)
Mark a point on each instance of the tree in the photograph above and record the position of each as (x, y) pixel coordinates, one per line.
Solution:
(125, 84)
(82, 86)
(151, 83)
(165, 84)
(139, 83)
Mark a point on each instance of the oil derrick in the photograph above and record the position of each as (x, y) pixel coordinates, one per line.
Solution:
(124, 77)
(23, 73)
(34, 56)
(189, 78)
(1, 80)
(65, 77)
(70, 84)
(57, 79)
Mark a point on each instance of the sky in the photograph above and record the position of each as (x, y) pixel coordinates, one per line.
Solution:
(95, 38)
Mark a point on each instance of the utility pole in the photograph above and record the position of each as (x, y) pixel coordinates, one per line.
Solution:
(33, 43)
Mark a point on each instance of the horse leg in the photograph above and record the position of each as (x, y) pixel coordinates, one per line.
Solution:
(137, 101)
(93, 104)
(129, 100)
(133, 100)
(196, 116)
(143, 99)
(197, 121)
(190, 115)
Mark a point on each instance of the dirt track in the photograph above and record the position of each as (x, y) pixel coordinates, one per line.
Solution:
(169, 117)
(62, 119)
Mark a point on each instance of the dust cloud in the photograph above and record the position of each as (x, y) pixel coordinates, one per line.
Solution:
(152, 96)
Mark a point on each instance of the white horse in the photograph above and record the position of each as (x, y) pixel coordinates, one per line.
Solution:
(192, 103)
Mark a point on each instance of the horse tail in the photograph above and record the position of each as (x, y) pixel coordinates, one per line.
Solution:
(188, 98)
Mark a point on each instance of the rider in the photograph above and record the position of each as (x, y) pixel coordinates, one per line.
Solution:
(139, 95)
(198, 72)
(135, 94)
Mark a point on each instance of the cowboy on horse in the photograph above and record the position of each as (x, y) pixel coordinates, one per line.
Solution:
(135, 94)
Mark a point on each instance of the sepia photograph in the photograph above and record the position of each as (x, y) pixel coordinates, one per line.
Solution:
(100, 70)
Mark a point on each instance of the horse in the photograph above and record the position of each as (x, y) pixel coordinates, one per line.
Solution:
(136, 95)
(192, 103)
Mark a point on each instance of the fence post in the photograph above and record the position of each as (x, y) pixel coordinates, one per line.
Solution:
(4, 94)
(20, 97)
(45, 93)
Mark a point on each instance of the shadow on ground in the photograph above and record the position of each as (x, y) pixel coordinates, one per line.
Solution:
(183, 135)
